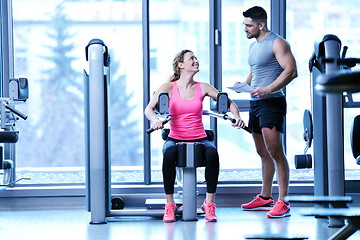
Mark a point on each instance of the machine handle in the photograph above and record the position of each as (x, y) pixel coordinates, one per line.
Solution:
(246, 128)
(224, 116)
(17, 112)
(150, 130)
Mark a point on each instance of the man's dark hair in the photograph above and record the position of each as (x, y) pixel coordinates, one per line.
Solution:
(256, 13)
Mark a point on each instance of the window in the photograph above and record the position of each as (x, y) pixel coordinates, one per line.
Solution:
(238, 158)
(174, 26)
(49, 49)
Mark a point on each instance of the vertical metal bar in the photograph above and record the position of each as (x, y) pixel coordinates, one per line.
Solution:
(215, 51)
(189, 183)
(278, 25)
(97, 135)
(7, 68)
(87, 140)
(146, 88)
(319, 145)
(335, 132)
(278, 17)
(7, 56)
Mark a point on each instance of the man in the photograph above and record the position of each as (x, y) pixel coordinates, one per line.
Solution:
(272, 67)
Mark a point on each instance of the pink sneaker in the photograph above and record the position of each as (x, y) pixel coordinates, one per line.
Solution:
(258, 204)
(280, 210)
(209, 210)
(169, 215)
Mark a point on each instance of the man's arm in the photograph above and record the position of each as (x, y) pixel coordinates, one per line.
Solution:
(287, 61)
(249, 78)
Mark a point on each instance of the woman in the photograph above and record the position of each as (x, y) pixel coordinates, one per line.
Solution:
(185, 107)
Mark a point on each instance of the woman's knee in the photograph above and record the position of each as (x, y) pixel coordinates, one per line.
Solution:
(169, 150)
(211, 157)
(169, 155)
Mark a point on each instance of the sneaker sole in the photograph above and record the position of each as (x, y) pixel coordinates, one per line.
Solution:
(257, 209)
(211, 220)
(278, 216)
(168, 221)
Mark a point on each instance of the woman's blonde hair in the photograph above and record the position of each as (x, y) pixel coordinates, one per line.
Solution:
(178, 58)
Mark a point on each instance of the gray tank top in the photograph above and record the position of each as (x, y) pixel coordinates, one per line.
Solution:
(264, 66)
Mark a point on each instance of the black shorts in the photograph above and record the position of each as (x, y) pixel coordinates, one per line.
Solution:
(267, 113)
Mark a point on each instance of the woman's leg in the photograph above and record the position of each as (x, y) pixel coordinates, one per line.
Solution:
(169, 174)
(168, 169)
(212, 168)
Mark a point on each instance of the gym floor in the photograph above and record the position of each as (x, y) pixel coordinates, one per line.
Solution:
(233, 223)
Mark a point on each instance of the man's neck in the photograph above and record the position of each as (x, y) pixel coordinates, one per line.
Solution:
(262, 35)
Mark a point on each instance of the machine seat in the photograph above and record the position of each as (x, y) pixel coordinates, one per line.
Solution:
(9, 136)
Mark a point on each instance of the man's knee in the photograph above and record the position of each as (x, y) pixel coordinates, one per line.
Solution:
(276, 153)
(263, 153)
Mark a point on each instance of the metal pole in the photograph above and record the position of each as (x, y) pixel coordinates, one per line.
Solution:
(189, 183)
(215, 51)
(97, 134)
(335, 135)
(7, 68)
(321, 186)
(146, 88)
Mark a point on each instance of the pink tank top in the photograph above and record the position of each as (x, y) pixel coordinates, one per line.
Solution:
(186, 122)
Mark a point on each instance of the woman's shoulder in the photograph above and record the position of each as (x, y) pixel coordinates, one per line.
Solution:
(205, 85)
(202, 83)
(166, 86)
(207, 89)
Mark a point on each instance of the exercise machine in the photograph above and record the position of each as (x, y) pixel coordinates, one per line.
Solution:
(98, 164)
(190, 155)
(332, 76)
(9, 115)
(337, 83)
(305, 160)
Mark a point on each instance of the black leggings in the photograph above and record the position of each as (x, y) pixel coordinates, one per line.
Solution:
(169, 169)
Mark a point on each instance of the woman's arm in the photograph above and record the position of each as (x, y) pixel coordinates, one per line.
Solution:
(156, 123)
(212, 92)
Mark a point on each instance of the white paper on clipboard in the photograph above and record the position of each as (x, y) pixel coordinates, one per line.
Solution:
(241, 87)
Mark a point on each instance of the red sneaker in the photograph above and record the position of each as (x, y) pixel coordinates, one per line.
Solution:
(169, 215)
(281, 209)
(209, 210)
(258, 204)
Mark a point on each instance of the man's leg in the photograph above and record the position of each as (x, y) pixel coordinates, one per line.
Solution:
(263, 201)
(273, 144)
(267, 165)
(274, 147)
